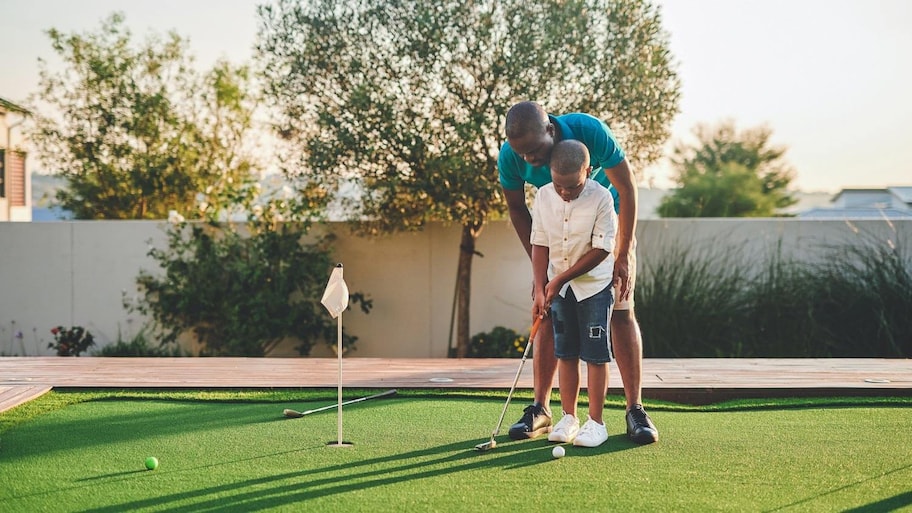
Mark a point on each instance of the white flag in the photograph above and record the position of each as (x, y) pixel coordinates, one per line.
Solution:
(335, 297)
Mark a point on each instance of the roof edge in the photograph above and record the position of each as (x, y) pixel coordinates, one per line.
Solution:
(12, 107)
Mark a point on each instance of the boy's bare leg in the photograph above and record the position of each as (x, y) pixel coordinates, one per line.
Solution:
(593, 433)
(569, 379)
(597, 387)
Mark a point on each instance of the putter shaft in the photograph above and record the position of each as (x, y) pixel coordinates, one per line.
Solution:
(492, 443)
(293, 414)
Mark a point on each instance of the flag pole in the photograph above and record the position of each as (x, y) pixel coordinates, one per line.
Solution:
(336, 300)
(339, 355)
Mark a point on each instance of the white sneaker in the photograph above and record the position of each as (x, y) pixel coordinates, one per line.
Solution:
(592, 434)
(565, 430)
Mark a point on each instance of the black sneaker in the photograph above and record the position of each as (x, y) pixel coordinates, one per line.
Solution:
(640, 428)
(534, 422)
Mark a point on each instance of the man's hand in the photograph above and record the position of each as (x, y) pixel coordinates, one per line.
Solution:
(622, 276)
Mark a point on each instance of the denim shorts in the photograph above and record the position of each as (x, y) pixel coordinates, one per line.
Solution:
(581, 328)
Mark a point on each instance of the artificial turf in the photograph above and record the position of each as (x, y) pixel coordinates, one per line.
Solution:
(233, 451)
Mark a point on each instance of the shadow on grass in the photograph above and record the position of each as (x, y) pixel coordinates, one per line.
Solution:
(127, 475)
(154, 417)
(361, 475)
(888, 504)
(112, 476)
(615, 443)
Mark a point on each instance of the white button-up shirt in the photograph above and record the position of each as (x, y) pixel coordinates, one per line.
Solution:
(569, 229)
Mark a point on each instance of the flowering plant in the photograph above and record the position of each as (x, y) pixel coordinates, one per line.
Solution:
(71, 342)
(498, 343)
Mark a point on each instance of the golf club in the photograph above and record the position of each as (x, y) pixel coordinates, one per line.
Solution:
(292, 414)
(490, 444)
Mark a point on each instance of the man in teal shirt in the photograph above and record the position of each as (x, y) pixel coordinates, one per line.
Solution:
(524, 158)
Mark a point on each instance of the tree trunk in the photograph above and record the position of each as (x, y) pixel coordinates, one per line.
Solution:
(467, 251)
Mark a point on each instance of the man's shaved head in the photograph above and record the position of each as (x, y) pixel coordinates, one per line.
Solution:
(526, 118)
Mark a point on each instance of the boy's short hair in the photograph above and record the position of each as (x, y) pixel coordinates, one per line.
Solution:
(569, 156)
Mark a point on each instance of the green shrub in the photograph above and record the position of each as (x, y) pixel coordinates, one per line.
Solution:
(864, 299)
(779, 299)
(500, 342)
(242, 294)
(138, 346)
(690, 303)
(853, 300)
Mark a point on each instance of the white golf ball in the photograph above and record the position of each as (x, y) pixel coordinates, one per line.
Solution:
(558, 451)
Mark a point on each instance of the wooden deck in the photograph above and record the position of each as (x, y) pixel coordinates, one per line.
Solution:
(693, 381)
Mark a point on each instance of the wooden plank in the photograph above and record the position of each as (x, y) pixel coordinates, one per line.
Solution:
(709, 378)
(14, 395)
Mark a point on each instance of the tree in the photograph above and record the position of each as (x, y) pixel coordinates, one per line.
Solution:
(729, 174)
(136, 131)
(404, 101)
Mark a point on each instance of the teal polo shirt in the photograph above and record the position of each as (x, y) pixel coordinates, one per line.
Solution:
(604, 152)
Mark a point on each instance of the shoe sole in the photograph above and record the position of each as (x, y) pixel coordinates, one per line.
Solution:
(577, 443)
(525, 435)
(565, 440)
(643, 439)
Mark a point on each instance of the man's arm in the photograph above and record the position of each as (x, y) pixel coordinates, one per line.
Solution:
(540, 302)
(520, 217)
(622, 179)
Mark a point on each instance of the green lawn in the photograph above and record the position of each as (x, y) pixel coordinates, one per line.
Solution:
(233, 451)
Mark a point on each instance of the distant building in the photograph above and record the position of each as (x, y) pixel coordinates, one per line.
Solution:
(889, 203)
(15, 196)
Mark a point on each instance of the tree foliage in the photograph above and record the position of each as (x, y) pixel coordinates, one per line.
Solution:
(242, 294)
(403, 102)
(140, 133)
(136, 131)
(729, 174)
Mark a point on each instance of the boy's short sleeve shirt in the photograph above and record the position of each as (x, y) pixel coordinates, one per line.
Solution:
(603, 148)
(570, 229)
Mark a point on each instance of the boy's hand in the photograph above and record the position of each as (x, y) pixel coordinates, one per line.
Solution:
(551, 291)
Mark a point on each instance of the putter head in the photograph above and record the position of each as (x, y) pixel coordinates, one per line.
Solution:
(486, 446)
(291, 414)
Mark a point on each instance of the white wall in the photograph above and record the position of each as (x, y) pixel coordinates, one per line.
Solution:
(74, 273)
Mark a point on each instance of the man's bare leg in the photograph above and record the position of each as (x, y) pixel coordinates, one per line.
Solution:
(536, 419)
(628, 353)
(544, 364)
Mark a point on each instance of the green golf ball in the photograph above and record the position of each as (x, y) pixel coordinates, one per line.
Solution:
(151, 463)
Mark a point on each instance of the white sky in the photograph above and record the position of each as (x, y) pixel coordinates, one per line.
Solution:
(831, 78)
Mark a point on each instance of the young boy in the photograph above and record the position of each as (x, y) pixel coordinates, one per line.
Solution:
(573, 232)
